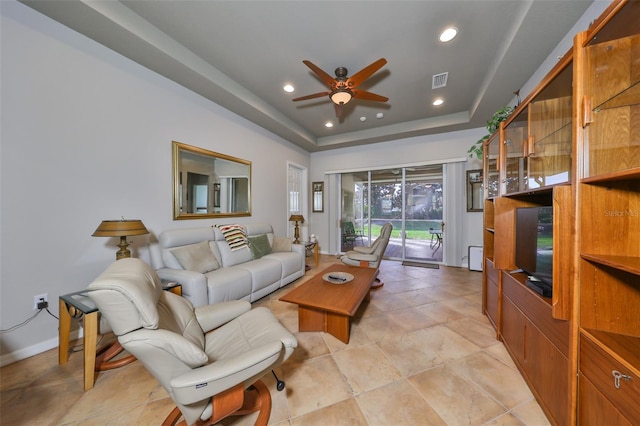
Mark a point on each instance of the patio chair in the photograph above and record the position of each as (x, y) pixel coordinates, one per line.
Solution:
(349, 234)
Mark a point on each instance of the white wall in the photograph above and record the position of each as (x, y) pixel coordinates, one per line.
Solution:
(86, 135)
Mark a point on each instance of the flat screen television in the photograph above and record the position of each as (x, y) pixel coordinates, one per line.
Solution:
(534, 246)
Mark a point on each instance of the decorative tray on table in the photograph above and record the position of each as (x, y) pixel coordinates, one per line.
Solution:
(338, 277)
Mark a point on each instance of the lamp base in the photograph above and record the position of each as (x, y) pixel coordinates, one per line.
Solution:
(124, 252)
(296, 234)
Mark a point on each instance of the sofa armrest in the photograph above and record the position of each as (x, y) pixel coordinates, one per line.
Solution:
(299, 248)
(213, 316)
(194, 284)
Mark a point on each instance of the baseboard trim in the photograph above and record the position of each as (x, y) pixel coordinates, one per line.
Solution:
(36, 349)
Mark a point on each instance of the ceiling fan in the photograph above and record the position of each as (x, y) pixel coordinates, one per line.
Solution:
(344, 88)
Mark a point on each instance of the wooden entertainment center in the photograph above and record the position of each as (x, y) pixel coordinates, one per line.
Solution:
(574, 144)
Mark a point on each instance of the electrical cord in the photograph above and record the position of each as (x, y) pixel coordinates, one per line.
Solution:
(27, 321)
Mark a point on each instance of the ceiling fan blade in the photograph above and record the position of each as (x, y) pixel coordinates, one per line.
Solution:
(356, 79)
(328, 80)
(368, 96)
(339, 108)
(315, 95)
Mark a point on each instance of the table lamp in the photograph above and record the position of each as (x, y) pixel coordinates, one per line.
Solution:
(121, 228)
(297, 218)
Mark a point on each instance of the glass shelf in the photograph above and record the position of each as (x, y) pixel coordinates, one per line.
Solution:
(548, 139)
(627, 97)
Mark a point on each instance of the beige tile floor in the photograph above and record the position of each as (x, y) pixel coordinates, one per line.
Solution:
(421, 353)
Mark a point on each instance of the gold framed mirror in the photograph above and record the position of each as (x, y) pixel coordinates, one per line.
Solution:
(208, 184)
(475, 191)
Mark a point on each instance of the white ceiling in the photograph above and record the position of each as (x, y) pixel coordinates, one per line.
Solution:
(240, 54)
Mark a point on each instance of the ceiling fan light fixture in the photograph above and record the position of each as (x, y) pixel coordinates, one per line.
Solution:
(341, 96)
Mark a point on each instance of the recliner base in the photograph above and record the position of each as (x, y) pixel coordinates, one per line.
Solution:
(233, 402)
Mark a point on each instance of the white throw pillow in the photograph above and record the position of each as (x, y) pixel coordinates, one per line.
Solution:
(281, 244)
(196, 257)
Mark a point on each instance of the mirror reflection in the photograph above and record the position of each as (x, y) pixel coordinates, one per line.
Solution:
(208, 184)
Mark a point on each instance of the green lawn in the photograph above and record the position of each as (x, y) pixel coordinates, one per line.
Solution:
(416, 230)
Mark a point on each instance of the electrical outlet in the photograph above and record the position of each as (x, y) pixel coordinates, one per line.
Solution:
(37, 299)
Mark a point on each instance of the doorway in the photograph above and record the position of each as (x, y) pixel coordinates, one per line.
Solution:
(410, 198)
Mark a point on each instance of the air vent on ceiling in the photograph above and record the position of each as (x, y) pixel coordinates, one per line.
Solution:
(439, 80)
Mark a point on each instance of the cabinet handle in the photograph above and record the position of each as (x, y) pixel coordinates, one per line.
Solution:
(617, 376)
(586, 112)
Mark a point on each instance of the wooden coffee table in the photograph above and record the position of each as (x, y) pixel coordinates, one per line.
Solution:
(323, 306)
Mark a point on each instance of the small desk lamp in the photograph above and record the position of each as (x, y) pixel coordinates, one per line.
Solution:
(120, 228)
(296, 231)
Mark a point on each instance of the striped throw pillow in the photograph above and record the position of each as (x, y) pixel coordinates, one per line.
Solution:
(234, 235)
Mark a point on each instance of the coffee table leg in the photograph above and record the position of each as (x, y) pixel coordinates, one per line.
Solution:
(338, 326)
(310, 319)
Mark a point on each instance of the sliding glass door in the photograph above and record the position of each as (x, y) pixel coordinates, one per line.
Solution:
(411, 198)
(423, 224)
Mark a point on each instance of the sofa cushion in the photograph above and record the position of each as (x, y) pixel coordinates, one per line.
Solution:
(281, 244)
(228, 284)
(259, 246)
(181, 237)
(264, 272)
(235, 236)
(291, 262)
(196, 257)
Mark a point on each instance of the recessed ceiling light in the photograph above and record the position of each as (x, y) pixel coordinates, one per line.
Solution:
(363, 118)
(328, 124)
(438, 102)
(288, 88)
(379, 115)
(448, 34)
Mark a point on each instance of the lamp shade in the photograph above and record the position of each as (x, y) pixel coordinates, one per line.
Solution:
(119, 228)
(296, 218)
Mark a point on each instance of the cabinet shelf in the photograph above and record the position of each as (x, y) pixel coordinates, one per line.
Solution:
(625, 98)
(540, 195)
(628, 264)
(629, 174)
(620, 346)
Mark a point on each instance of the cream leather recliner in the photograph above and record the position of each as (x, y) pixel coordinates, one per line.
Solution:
(210, 359)
(371, 256)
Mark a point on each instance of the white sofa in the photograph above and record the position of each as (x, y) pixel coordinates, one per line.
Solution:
(239, 277)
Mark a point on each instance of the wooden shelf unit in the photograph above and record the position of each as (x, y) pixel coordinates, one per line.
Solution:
(574, 143)
(608, 217)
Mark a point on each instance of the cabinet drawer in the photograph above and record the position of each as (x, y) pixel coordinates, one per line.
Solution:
(538, 311)
(598, 366)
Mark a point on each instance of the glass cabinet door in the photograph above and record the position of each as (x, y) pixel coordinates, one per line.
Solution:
(550, 130)
(515, 140)
(492, 166)
(613, 145)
